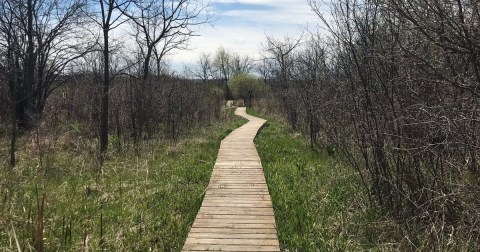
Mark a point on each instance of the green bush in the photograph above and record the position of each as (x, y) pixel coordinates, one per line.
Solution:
(246, 87)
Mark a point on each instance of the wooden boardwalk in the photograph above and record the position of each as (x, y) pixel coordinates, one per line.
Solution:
(236, 213)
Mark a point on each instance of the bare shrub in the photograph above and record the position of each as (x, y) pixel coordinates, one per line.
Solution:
(394, 90)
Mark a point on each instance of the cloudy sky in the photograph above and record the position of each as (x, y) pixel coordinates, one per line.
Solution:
(243, 24)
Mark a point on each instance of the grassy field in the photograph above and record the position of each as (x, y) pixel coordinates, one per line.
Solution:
(319, 204)
(143, 202)
(148, 201)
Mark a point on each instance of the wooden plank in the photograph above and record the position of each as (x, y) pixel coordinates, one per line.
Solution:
(239, 164)
(241, 178)
(258, 242)
(232, 173)
(238, 169)
(238, 173)
(222, 158)
(221, 192)
(219, 224)
(239, 198)
(261, 204)
(239, 181)
(260, 212)
(236, 191)
(232, 216)
(263, 196)
(235, 209)
(244, 153)
(237, 205)
(232, 236)
(252, 179)
(233, 231)
(233, 190)
(222, 202)
(267, 220)
(246, 248)
(239, 214)
(246, 184)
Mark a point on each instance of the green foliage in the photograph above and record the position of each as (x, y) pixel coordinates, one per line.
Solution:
(247, 87)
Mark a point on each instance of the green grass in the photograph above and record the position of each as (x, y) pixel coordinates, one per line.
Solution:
(145, 202)
(319, 204)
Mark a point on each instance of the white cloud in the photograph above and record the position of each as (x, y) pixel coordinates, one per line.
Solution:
(243, 30)
(294, 17)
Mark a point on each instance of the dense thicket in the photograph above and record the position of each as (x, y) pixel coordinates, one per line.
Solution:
(393, 86)
(45, 45)
(170, 106)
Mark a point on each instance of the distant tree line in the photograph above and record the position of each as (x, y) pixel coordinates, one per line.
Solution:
(221, 67)
(393, 87)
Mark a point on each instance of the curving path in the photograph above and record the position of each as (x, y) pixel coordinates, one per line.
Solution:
(236, 213)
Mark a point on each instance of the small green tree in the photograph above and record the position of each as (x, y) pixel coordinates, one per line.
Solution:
(246, 86)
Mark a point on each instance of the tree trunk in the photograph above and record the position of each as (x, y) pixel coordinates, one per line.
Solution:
(141, 94)
(29, 70)
(105, 98)
(312, 137)
(12, 64)
(13, 139)
(146, 64)
(13, 94)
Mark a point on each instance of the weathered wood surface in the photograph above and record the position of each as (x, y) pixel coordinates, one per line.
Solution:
(236, 213)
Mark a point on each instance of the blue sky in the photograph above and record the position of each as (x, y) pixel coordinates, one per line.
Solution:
(243, 25)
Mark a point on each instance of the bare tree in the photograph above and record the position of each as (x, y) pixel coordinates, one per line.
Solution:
(265, 68)
(204, 67)
(107, 14)
(226, 64)
(241, 64)
(282, 53)
(222, 61)
(41, 39)
(160, 27)
(312, 75)
(10, 66)
(163, 26)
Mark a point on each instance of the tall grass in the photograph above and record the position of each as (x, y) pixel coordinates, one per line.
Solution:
(144, 202)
